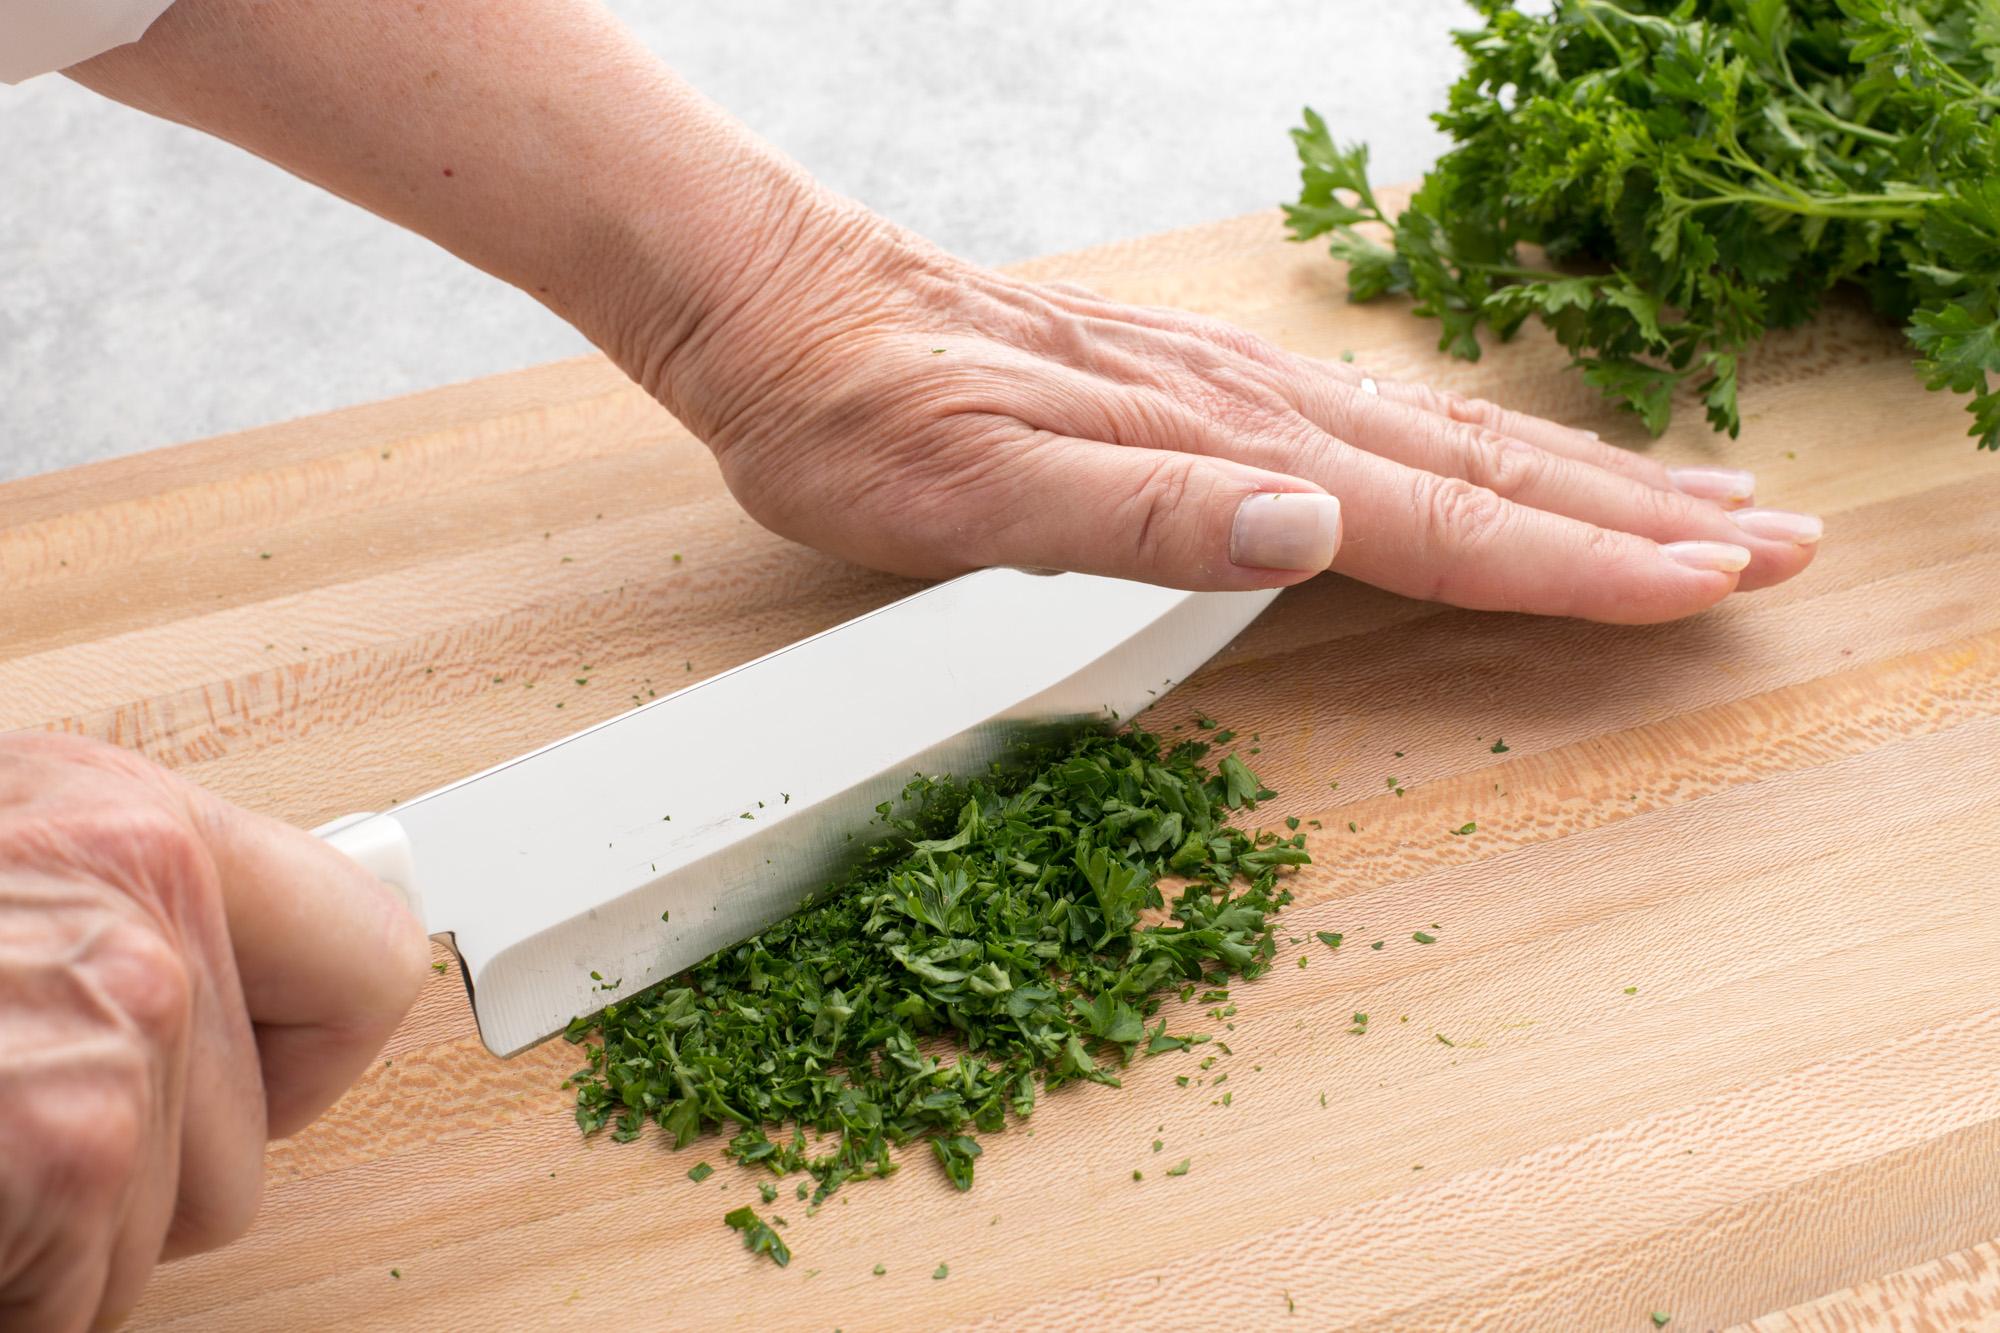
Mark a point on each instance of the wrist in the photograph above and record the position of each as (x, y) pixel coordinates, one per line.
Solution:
(681, 241)
(718, 279)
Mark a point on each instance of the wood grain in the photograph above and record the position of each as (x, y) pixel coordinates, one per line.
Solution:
(1718, 976)
(1958, 1292)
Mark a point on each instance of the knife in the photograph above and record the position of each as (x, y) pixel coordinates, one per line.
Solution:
(638, 847)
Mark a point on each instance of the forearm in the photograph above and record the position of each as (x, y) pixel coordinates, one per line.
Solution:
(537, 140)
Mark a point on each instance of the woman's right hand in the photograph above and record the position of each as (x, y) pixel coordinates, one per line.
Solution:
(180, 980)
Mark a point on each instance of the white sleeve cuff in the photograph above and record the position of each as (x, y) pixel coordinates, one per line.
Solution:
(37, 36)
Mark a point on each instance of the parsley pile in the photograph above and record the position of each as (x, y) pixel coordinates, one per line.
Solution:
(1699, 171)
(997, 942)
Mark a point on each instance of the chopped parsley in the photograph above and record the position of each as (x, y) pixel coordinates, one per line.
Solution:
(758, 1236)
(1021, 918)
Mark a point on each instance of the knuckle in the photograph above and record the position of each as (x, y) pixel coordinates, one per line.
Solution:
(1455, 521)
(87, 1147)
(1502, 465)
(145, 977)
(1455, 513)
(1472, 411)
(1151, 508)
(124, 838)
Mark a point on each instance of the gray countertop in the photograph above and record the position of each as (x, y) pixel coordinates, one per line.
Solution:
(156, 285)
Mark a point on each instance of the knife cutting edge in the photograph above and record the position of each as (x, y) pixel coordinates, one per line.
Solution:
(639, 846)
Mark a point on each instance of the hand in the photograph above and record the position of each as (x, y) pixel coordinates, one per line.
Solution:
(873, 396)
(869, 395)
(179, 980)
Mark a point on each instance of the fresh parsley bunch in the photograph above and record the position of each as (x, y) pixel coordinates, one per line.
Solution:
(1009, 934)
(1698, 172)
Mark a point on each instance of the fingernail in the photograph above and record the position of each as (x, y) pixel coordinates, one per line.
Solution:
(1590, 435)
(1780, 525)
(1286, 530)
(1716, 557)
(1725, 485)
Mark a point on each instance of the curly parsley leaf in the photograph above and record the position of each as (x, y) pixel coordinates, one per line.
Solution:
(1693, 173)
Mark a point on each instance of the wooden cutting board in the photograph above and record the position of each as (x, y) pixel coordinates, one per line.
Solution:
(1712, 1022)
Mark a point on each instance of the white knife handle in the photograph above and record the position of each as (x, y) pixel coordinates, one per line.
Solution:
(381, 846)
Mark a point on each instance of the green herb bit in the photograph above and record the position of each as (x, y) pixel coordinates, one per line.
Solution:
(396, 1273)
(942, 1272)
(1661, 1318)
(880, 1270)
(1464, 829)
(758, 1236)
(700, 1171)
(1631, 990)
(1136, 1174)
(1500, 746)
(1180, 1168)
(439, 967)
(1446, 1040)
(768, 1191)
(1159, 1144)
(1330, 938)
(1378, 944)
(1424, 937)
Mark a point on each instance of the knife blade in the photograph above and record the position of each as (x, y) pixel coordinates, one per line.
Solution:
(637, 847)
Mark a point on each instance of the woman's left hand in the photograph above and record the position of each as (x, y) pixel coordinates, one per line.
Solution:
(868, 394)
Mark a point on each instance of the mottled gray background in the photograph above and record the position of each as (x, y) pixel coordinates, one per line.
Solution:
(158, 286)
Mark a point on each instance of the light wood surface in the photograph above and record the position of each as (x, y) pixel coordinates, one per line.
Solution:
(1779, 822)
(1959, 1291)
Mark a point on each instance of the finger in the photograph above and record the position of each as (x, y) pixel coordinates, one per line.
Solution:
(223, 1114)
(1176, 518)
(1349, 381)
(90, 1077)
(1445, 539)
(328, 957)
(1779, 545)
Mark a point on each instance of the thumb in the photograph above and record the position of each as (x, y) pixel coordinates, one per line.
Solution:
(328, 956)
(1181, 519)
